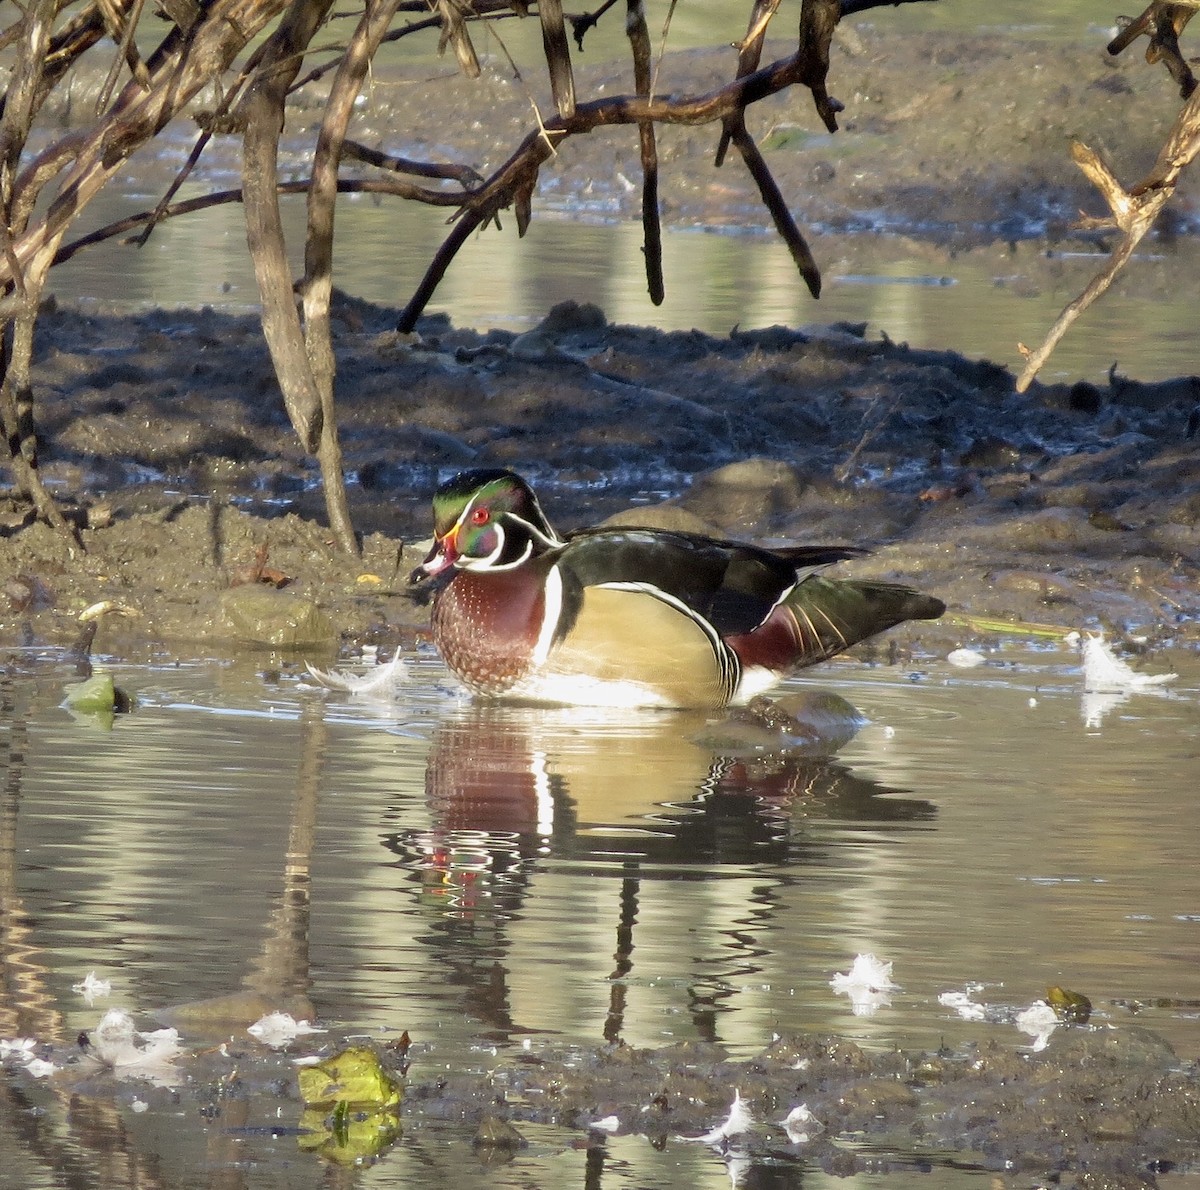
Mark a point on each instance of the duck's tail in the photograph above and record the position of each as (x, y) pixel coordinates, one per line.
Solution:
(834, 614)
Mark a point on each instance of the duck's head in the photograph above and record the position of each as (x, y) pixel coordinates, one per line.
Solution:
(486, 519)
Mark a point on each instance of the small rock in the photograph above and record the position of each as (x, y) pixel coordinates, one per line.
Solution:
(258, 615)
(496, 1133)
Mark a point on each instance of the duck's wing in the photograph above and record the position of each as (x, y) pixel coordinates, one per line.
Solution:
(731, 586)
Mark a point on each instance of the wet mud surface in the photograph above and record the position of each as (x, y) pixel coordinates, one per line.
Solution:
(1098, 1108)
(1072, 505)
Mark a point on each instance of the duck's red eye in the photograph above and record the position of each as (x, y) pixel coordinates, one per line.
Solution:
(480, 516)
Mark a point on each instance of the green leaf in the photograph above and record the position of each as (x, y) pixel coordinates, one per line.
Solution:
(355, 1077)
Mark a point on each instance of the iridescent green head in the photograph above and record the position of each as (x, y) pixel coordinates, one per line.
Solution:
(486, 519)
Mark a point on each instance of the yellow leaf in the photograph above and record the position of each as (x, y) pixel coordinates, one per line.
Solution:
(354, 1077)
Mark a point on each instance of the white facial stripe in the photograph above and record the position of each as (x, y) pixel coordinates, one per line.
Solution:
(464, 516)
(489, 562)
(534, 531)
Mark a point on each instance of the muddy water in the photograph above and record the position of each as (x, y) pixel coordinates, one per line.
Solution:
(495, 881)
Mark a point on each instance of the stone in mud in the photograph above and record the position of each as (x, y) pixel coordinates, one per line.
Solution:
(217, 1015)
(743, 496)
(1128, 1046)
(663, 516)
(257, 615)
(571, 317)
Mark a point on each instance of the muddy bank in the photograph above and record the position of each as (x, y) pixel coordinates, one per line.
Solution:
(1112, 1107)
(1075, 505)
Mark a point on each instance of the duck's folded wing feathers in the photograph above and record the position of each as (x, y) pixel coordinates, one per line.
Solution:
(731, 585)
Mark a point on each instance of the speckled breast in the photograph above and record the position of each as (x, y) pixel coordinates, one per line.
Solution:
(486, 625)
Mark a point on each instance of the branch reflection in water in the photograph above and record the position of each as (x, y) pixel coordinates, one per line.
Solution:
(516, 792)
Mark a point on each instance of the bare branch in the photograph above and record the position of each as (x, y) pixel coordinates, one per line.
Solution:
(639, 41)
(317, 287)
(389, 186)
(1162, 23)
(519, 173)
(558, 56)
(262, 107)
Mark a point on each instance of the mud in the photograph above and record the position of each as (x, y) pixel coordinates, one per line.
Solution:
(1070, 506)
(1111, 1108)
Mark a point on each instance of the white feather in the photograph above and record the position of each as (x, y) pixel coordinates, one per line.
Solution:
(1103, 670)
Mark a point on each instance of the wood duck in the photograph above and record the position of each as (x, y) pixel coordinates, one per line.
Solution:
(632, 617)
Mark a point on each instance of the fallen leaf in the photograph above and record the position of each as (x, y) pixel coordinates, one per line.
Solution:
(354, 1076)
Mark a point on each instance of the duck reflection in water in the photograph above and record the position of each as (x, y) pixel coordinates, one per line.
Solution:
(669, 799)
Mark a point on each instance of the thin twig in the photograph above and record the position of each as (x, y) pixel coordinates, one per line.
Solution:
(776, 204)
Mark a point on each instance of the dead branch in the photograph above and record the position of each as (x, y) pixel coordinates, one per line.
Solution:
(188, 206)
(749, 57)
(463, 174)
(639, 43)
(776, 204)
(558, 56)
(262, 109)
(87, 161)
(1133, 212)
(808, 66)
(734, 129)
(1163, 23)
(588, 20)
(453, 17)
(16, 350)
(317, 287)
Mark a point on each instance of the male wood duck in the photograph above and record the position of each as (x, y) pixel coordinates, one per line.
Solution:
(632, 617)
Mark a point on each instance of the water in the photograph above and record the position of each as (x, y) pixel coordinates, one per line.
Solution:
(464, 872)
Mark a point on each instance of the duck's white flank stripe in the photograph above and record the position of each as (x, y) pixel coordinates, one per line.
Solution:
(552, 593)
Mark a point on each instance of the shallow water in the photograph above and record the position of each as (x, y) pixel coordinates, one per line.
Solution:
(490, 879)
